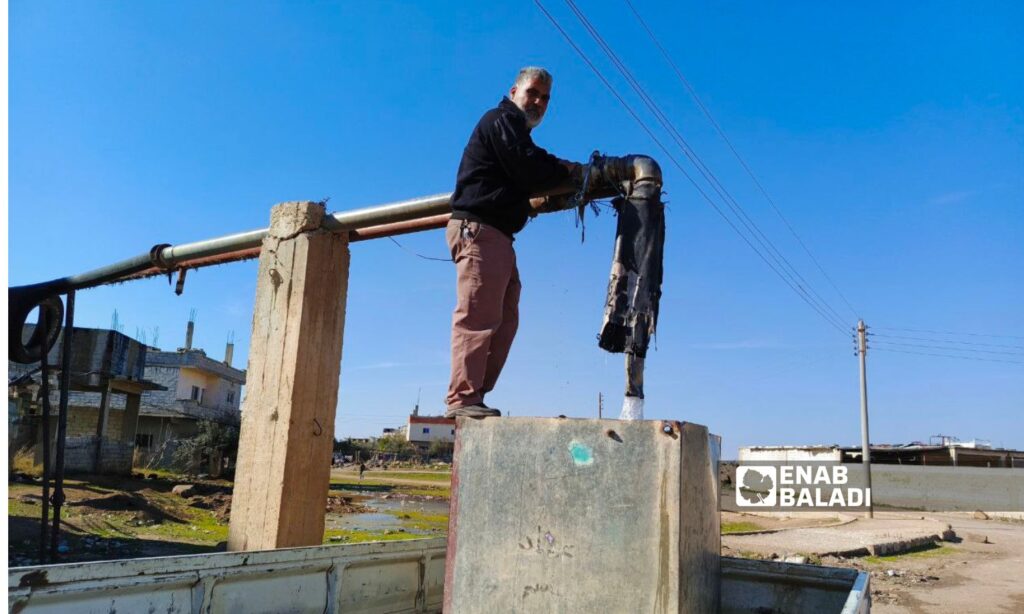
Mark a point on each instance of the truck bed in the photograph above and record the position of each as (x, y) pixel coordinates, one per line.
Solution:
(377, 577)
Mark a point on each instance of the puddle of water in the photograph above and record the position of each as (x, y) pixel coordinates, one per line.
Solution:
(380, 520)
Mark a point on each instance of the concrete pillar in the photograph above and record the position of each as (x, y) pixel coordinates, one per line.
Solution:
(101, 426)
(287, 434)
(574, 515)
(131, 422)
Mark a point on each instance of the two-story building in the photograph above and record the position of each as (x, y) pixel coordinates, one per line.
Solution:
(197, 388)
(107, 381)
(127, 402)
(422, 431)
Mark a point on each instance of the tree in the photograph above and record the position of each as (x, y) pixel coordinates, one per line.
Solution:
(347, 447)
(396, 444)
(212, 438)
(441, 449)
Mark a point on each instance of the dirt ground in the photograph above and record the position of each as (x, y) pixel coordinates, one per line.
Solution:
(965, 576)
(108, 517)
(113, 518)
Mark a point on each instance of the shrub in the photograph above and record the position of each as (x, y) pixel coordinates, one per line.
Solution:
(212, 438)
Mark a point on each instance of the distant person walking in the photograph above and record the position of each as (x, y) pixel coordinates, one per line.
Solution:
(362, 469)
(501, 167)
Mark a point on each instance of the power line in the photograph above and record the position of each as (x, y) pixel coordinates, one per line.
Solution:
(791, 282)
(671, 157)
(932, 339)
(944, 332)
(695, 159)
(943, 347)
(1015, 362)
(739, 158)
(404, 248)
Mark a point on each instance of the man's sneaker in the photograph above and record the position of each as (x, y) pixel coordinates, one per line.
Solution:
(472, 411)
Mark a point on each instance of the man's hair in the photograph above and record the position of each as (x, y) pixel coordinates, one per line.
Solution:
(531, 72)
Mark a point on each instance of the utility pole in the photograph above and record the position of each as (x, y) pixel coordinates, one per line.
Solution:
(600, 406)
(862, 345)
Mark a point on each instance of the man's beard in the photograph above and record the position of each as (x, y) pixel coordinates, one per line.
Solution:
(533, 117)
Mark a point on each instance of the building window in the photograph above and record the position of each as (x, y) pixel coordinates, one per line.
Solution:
(453, 431)
(426, 430)
(144, 440)
(195, 393)
(231, 397)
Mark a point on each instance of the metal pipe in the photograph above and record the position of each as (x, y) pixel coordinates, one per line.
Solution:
(385, 214)
(399, 228)
(613, 170)
(249, 253)
(44, 424)
(393, 218)
(172, 255)
(62, 422)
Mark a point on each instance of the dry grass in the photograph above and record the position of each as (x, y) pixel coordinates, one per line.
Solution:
(25, 462)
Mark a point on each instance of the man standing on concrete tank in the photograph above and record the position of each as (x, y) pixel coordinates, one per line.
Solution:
(501, 167)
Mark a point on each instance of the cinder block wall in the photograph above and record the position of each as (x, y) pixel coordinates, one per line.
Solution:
(80, 454)
(82, 422)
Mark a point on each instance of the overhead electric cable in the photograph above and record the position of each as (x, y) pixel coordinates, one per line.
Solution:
(1015, 362)
(944, 332)
(709, 176)
(675, 162)
(417, 254)
(739, 158)
(695, 159)
(943, 347)
(934, 340)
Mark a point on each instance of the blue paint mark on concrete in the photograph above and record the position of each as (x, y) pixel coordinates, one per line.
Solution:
(581, 453)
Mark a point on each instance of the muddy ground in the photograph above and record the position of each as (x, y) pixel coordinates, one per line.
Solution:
(113, 518)
(107, 517)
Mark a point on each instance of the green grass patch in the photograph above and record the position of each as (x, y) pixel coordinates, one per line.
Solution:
(199, 526)
(364, 484)
(163, 474)
(926, 552)
(403, 475)
(414, 519)
(345, 483)
(427, 491)
(25, 510)
(740, 527)
(354, 536)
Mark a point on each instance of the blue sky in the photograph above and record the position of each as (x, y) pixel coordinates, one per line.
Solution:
(891, 135)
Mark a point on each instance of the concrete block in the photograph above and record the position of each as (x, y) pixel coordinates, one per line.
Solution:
(564, 515)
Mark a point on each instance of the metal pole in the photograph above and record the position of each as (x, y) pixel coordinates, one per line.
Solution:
(865, 445)
(62, 421)
(600, 406)
(44, 394)
(609, 176)
(168, 257)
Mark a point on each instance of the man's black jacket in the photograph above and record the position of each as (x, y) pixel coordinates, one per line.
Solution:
(501, 167)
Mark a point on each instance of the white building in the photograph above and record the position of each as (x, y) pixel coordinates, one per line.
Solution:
(425, 430)
(785, 454)
(197, 388)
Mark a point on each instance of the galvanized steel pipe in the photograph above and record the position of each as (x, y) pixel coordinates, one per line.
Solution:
(385, 220)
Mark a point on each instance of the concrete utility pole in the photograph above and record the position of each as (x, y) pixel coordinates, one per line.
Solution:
(862, 345)
(600, 406)
(286, 442)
